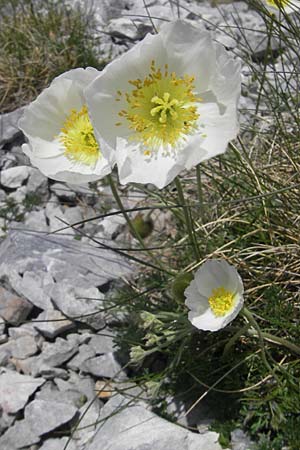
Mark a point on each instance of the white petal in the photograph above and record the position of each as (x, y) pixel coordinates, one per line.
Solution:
(61, 168)
(81, 76)
(190, 50)
(216, 273)
(101, 94)
(135, 167)
(45, 116)
(209, 322)
(226, 80)
(194, 300)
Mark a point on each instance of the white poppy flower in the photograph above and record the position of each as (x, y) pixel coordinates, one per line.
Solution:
(167, 104)
(61, 139)
(215, 296)
(288, 6)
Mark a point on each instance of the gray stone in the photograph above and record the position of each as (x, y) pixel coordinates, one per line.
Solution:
(51, 323)
(49, 373)
(6, 421)
(14, 177)
(5, 354)
(73, 215)
(104, 366)
(127, 426)
(18, 436)
(7, 160)
(34, 286)
(55, 354)
(63, 191)
(124, 28)
(112, 225)
(17, 153)
(57, 220)
(50, 392)
(9, 126)
(102, 342)
(13, 308)
(36, 220)
(88, 423)
(15, 389)
(81, 304)
(66, 260)
(85, 352)
(37, 183)
(59, 444)
(18, 197)
(43, 416)
(24, 347)
(2, 325)
(82, 383)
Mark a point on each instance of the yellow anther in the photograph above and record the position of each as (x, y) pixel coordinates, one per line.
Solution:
(160, 109)
(221, 301)
(78, 139)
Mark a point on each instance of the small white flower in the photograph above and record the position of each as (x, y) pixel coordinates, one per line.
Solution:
(61, 139)
(288, 6)
(215, 296)
(167, 104)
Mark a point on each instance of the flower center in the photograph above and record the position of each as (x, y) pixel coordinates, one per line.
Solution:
(160, 109)
(221, 301)
(77, 136)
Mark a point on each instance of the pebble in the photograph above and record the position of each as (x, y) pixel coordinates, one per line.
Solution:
(14, 177)
(15, 390)
(13, 309)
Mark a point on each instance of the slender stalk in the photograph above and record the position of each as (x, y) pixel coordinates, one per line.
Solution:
(248, 315)
(133, 230)
(200, 193)
(187, 218)
(234, 338)
(276, 340)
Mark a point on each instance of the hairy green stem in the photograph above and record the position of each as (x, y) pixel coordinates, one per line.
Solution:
(187, 218)
(200, 193)
(249, 316)
(133, 230)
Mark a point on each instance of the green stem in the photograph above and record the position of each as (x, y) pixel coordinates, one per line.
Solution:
(200, 193)
(277, 340)
(234, 338)
(248, 315)
(133, 230)
(187, 217)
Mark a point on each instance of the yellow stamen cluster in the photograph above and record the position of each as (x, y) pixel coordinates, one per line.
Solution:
(221, 301)
(77, 136)
(161, 109)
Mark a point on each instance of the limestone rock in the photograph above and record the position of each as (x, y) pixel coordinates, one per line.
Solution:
(9, 126)
(68, 261)
(24, 347)
(43, 416)
(133, 427)
(58, 444)
(51, 323)
(13, 308)
(80, 304)
(15, 389)
(18, 436)
(14, 177)
(104, 366)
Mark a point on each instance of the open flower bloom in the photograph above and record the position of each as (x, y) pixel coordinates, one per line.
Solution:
(215, 296)
(61, 139)
(288, 6)
(167, 104)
